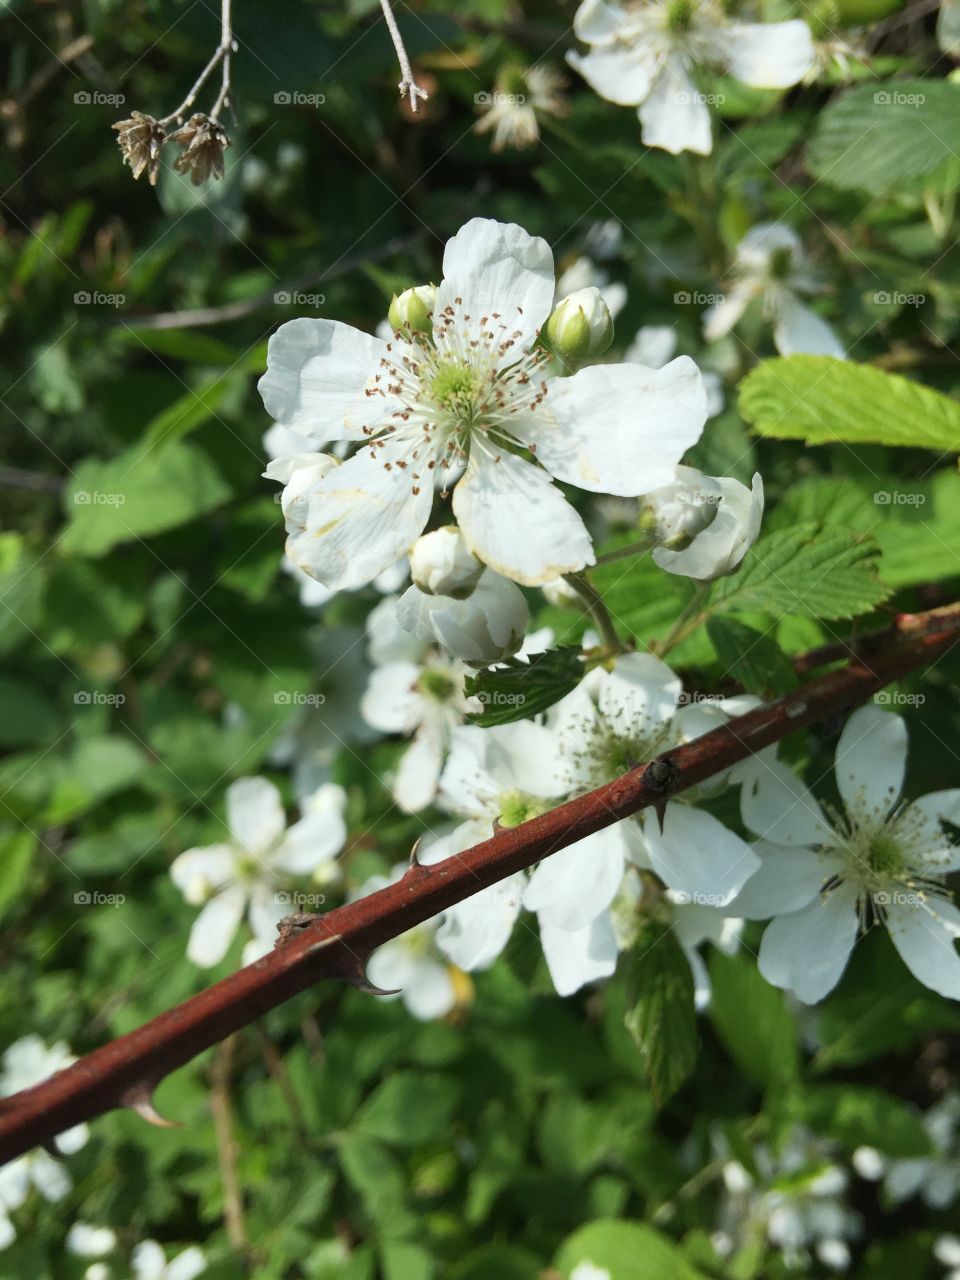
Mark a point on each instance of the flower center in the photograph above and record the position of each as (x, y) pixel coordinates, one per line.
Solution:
(457, 389)
(517, 806)
(884, 856)
(781, 261)
(437, 684)
(680, 16)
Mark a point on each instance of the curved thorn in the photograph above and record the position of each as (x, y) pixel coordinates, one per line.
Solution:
(370, 990)
(51, 1148)
(140, 1100)
(414, 860)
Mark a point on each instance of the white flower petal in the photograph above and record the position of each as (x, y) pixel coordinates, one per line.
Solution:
(317, 371)
(721, 317)
(786, 880)
(391, 702)
(619, 428)
(719, 549)
(776, 806)
(266, 911)
(596, 21)
(870, 762)
(430, 993)
(926, 936)
(363, 516)
(574, 959)
(418, 773)
(318, 836)
(49, 1176)
(807, 951)
(800, 331)
(187, 1265)
(255, 814)
(517, 522)
(475, 931)
(497, 269)
(149, 1261)
(675, 116)
(215, 926)
(621, 75)
(640, 690)
(572, 887)
(768, 55)
(653, 346)
(697, 855)
(392, 966)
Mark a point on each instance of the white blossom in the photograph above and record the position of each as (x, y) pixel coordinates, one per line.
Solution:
(643, 53)
(247, 874)
(824, 879)
(705, 524)
(485, 627)
(150, 1263)
(771, 268)
(450, 413)
(442, 564)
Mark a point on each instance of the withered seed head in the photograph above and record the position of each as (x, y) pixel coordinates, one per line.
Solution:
(203, 141)
(140, 139)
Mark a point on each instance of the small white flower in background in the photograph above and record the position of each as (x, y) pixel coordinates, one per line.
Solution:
(416, 692)
(25, 1063)
(90, 1242)
(520, 95)
(411, 964)
(770, 267)
(705, 524)
(796, 1201)
(583, 273)
(642, 54)
(587, 1271)
(948, 27)
(456, 602)
(150, 1263)
(249, 873)
(654, 345)
(823, 880)
(450, 413)
(935, 1178)
(946, 1250)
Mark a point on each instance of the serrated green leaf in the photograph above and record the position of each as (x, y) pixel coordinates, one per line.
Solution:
(521, 688)
(140, 492)
(660, 1015)
(752, 657)
(805, 570)
(879, 134)
(825, 401)
(753, 1021)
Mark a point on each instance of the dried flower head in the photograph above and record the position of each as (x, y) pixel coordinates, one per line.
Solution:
(203, 141)
(140, 139)
(521, 95)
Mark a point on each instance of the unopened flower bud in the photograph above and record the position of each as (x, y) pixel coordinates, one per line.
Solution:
(441, 564)
(679, 511)
(413, 309)
(580, 327)
(486, 627)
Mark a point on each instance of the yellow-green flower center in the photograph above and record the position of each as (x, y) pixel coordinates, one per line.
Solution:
(437, 684)
(517, 806)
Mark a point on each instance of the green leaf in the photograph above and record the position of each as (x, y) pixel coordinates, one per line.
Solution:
(16, 857)
(751, 657)
(660, 1015)
(859, 1116)
(191, 410)
(521, 688)
(409, 1108)
(628, 1250)
(824, 401)
(138, 493)
(804, 570)
(878, 135)
(752, 1020)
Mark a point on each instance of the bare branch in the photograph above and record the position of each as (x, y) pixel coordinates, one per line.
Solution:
(337, 944)
(408, 86)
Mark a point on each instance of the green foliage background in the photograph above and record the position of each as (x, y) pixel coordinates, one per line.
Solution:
(507, 1140)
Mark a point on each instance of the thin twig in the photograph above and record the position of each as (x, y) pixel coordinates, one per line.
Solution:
(226, 1145)
(220, 55)
(598, 610)
(408, 86)
(336, 945)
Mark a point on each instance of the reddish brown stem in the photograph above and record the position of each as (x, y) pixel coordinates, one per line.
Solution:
(336, 945)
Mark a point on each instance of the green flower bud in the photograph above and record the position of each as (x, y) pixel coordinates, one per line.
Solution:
(580, 327)
(413, 309)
